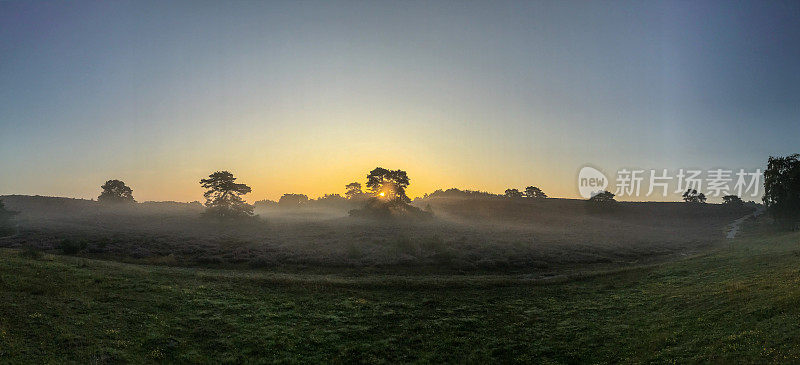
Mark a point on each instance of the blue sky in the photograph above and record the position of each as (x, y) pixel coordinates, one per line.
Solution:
(304, 97)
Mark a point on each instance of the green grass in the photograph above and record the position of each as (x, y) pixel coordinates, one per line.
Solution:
(739, 303)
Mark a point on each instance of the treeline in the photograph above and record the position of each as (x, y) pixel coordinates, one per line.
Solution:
(296, 201)
(387, 188)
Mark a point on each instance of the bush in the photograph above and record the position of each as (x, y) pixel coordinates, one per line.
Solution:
(71, 247)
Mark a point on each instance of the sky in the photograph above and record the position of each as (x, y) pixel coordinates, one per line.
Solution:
(305, 96)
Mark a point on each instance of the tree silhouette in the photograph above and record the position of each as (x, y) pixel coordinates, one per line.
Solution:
(782, 189)
(388, 197)
(388, 185)
(603, 197)
(353, 190)
(513, 193)
(457, 193)
(223, 197)
(115, 191)
(534, 192)
(292, 201)
(732, 200)
(265, 204)
(602, 203)
(692, 196)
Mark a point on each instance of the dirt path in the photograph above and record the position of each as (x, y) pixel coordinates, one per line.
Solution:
(734, 227)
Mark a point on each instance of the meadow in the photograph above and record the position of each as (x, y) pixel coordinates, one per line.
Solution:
(487, 279)
(736, 301)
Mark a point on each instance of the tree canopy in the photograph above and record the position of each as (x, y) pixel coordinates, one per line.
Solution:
(223, 197)
(458, 193)
(603, 197)
(534, 192)
(732, 200)
(388, 184)
(353, 190)
(115, 191)
(292, 201)
(692, 196)
(513, 193)
(782, 189)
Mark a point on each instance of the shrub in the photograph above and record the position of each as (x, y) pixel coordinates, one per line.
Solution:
(71, 247)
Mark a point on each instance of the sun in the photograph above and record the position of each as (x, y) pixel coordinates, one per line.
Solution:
(382, 194)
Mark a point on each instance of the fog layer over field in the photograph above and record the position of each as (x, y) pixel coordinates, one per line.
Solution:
(542, 236)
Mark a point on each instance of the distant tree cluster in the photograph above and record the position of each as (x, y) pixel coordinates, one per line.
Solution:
(732, 201)
(457, 193)
(115, 192)
(602, 202)
(782, 189)
(331, 199)
(265, 204)
(292, 201)
(296, 201)
(692, 196)
(603, 197)
(532, 192)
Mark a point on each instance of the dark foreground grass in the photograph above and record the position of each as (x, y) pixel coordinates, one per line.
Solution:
(740, 303)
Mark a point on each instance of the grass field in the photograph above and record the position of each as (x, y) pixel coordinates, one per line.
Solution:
(738, 302)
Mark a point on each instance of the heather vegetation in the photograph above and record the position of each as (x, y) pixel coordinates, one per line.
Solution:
(439, 233)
